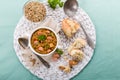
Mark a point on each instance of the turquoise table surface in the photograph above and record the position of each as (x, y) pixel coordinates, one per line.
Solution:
(104, 65)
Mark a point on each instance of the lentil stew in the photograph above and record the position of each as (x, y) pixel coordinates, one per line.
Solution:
(43, 41)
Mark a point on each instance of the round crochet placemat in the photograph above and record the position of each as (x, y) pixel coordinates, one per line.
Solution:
(32, 63)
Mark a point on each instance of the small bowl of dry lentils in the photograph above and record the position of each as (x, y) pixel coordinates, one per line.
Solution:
(34, 11)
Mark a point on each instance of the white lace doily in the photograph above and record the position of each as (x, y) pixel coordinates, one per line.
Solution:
(32, 63)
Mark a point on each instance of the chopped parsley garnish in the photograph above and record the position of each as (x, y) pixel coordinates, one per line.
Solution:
(41, 37)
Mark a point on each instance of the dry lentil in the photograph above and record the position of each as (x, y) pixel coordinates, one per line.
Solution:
(35, 11)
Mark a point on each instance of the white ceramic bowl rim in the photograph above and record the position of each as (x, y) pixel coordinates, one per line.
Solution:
(43, 27)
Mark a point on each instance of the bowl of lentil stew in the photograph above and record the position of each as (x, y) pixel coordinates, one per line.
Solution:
(43, 41)
(34, 11)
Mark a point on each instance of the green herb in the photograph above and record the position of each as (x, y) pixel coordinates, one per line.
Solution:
(61, 4)
(59, 51)
(42, 37)
(54, 3)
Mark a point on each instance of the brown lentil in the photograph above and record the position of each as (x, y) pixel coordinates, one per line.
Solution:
(35, 11)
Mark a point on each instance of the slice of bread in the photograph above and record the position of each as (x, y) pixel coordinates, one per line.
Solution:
(69, 27)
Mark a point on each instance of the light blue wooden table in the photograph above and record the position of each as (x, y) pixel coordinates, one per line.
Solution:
(105, 65)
